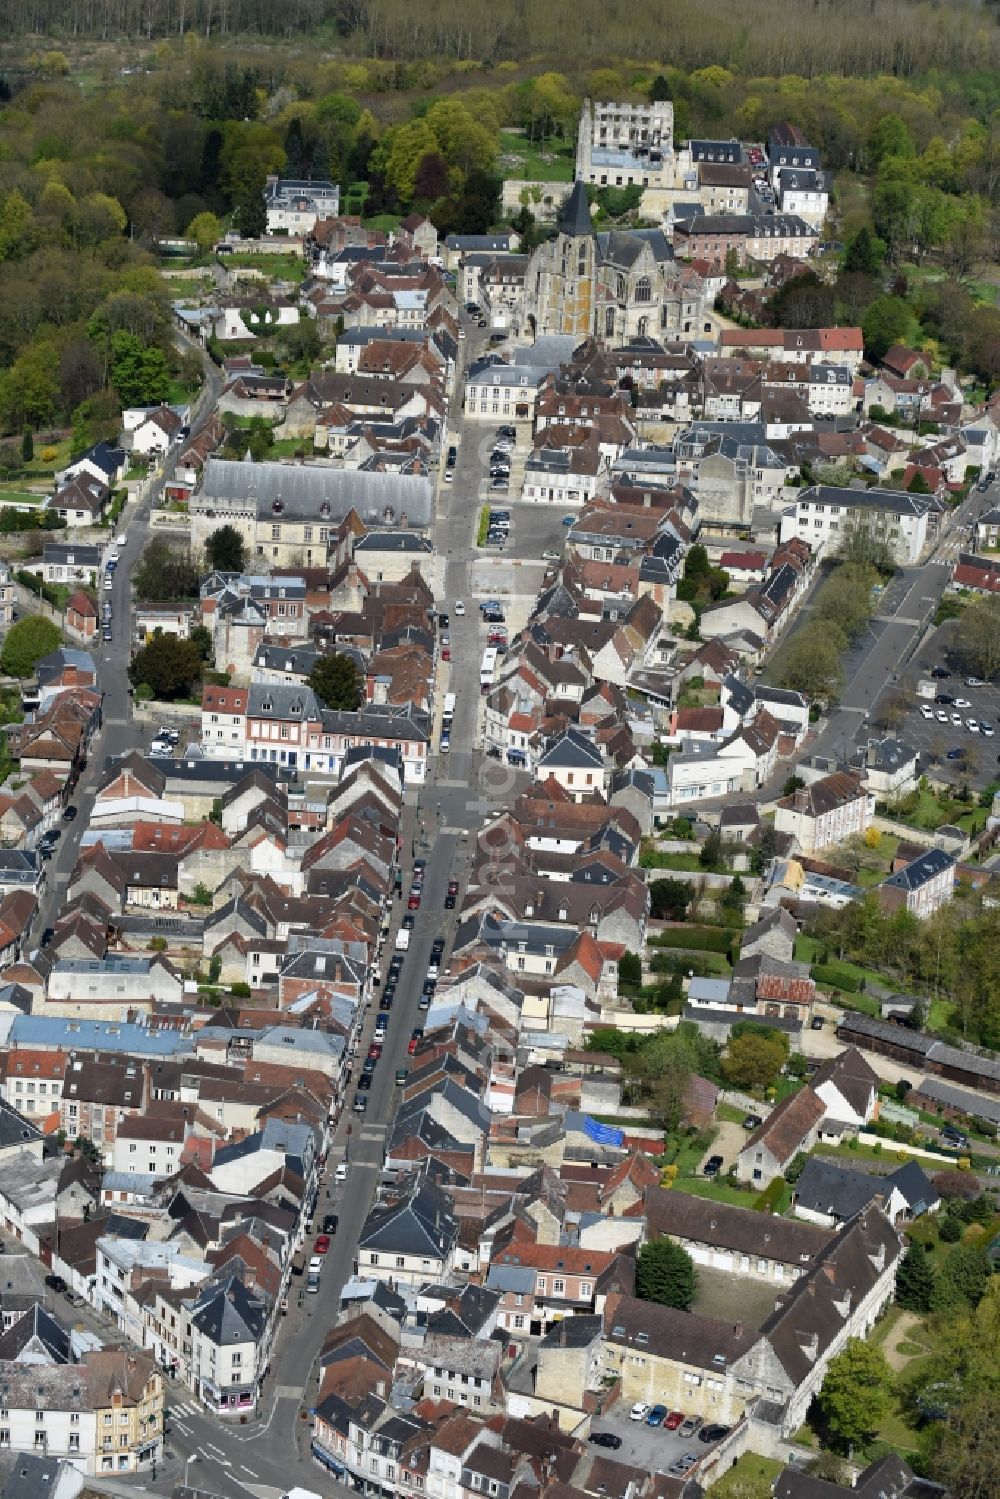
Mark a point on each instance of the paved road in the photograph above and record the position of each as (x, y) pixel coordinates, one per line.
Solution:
(269, 1453)
(874, 667)
(119, 732)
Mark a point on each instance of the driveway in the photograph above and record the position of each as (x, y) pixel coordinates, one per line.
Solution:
(728, 1143)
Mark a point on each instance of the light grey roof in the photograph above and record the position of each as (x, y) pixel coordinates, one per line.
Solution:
(895, 500)
(286, 492)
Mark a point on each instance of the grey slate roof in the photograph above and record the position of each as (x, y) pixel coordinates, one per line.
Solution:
(227, 1314)
(311, 493)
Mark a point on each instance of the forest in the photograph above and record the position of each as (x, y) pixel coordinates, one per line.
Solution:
(900, 37)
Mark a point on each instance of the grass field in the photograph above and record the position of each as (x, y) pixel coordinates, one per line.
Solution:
(553, 161)
(750, 1473)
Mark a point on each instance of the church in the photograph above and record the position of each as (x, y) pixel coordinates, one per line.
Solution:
(614, 286)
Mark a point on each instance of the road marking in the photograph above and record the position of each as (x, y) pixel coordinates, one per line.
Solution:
(249, 1470)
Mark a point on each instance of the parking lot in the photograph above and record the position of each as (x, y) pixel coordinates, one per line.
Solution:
(652, 1448)
(979, 756)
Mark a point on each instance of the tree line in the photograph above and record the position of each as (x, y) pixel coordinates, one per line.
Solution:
(855, 37)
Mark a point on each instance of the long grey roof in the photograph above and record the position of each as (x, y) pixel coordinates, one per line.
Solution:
(303, 490)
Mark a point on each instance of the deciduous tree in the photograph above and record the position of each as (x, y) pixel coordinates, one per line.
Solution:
(26, 643)
(855, 1396)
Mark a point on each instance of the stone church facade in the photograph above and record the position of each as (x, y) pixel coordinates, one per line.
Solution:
(614, 286)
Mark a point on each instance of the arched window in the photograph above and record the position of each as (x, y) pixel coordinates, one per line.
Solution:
(620, 287)
(643, 289)
(609, 322)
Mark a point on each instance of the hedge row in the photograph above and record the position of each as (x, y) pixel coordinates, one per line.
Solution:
(834, 978)
(696, 938)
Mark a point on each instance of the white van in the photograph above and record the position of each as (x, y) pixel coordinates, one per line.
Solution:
(402, 939)
(449, 705)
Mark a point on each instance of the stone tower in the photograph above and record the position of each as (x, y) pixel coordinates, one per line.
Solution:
(561, 277)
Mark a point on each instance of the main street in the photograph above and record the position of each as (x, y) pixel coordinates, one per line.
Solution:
(269, 1453)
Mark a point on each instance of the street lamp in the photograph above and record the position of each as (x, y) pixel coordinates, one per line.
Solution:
(191, 1458)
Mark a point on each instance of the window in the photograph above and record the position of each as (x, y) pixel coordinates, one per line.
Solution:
(558, 1287)
(400, 1261)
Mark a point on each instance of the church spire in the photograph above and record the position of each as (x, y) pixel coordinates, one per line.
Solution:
(574, 216)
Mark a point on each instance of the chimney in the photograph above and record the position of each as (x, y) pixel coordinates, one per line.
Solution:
(738, 1330)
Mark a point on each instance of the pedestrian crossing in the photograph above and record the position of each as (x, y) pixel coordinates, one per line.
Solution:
(189, 1408)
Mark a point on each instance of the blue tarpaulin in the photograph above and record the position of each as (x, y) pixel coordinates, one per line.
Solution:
(602, 1134)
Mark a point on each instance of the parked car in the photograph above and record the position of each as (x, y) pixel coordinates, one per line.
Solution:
(69, 813)
(751, 1121)
(690, 1425)
(606, 1439)
(330, 1223)
(713, 1433)
(360, 1103)
(342, 1171)
(713, 1165)
(322, 1243)
(674, 1420)
(657, 1415)
(639, 1411)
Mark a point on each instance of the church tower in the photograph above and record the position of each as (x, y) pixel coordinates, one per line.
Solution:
(561, 278)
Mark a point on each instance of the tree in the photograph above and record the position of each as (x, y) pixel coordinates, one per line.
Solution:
(27, 642)
(630, 970)
(664, 1272)
(884, 324)
(166, 570)
(206, 230)
(226, 550)
(864, 254)
(170, 666)
(138, 370)
(336, 681)
(710, 853)
(810, 662)
(862, 546)
(915, 1280)
(962, 1280)
(27, 446)
(855, 1396)
(669, 899)
(202, 637)
(753, 1061)
(977, 636)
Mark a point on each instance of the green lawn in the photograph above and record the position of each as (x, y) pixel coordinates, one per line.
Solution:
(728, 1113)
(552, 161)
(652, 858)
(283, 265)
(747, 1471)
(287, 447)
(386, 221)
(714, 1191)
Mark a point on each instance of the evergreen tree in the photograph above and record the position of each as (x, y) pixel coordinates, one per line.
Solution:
(915, 1280)
(665, 1272)
(27, 446)
(336, 681)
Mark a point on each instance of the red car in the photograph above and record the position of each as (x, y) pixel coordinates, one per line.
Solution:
(322, 1244)
(412, 1046)
(375, 1051)
(414, 900)
(674, 1420)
